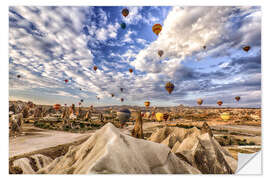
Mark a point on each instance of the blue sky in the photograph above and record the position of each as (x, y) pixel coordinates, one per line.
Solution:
(50, 44)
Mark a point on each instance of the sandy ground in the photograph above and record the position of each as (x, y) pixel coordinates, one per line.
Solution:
(36, 139)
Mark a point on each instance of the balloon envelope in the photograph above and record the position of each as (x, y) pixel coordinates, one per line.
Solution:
(246, 48)
(169, 87)
(95, 68)
(225, 116)
(56, 106)
(123, 25)
(157, 29)
(219, 103)
(160, 53)
(199, 101)
(147, 103)
(125, 12)
(237, 98)
(159, 116)
(123, 115)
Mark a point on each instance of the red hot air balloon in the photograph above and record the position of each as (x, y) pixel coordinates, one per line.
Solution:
(95, 68)
(66, 81)
(131, 70)
(246, 48)
(56, 107)
(122, 99)
(125, 12)
(219, 103)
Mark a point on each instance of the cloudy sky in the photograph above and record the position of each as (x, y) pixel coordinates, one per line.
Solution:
(50, 44)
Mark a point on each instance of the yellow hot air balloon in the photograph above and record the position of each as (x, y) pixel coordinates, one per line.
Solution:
(157, 29)
(159, 116)
(225, 116)
(147, 103)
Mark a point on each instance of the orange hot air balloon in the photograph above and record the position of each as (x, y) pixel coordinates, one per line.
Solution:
(147, 103)
(122, 99)
(112, 95)
(66, 81)
(160, 53)
(95, 68)
(131, 70)
(246, 48)
(56, 106)
(199, 101)
(157, 29)
(125, 12)
(219, 103)
(121, 89)
(237, 98)
(169, 87)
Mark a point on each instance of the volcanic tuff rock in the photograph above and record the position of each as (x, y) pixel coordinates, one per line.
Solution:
(111, 151)
(198, 148)
(30, 165)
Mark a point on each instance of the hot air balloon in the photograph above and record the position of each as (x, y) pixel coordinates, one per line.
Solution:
(219, 103)
(65, 104)
(79, 103)
(225, 116)
(81, 100)
(121, 89)
(123, 25)
(80, 89)
(159, 116)
(204, 47)
(169, 87)
(125, 12)
(147, 103)
(199, 101)
(66, 81)
(112, 95)
(246, 48)
(98, 98)
(131, 70)
(56, 107)
(123, 116)
(95, 68)
(237, 98)
(165, 116)
(18, 76)
(157, 29)
(122, 99)
(160, 53)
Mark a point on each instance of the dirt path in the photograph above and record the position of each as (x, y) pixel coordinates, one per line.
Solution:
(36, 139)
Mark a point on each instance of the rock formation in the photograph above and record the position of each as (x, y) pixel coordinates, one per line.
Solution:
(111, 151)
(198, 148)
